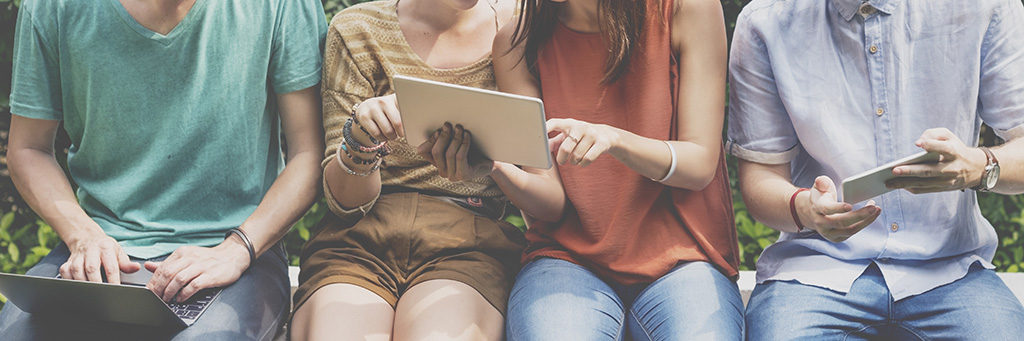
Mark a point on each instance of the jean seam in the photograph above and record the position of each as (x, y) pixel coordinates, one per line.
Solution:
(865, 327)
(274, 330)
(912, 330)
(643, 328)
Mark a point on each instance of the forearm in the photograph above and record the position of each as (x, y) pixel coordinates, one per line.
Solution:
(766, 194)
(1011, 164)
(652, 158)
(535, 193)
(44, 186)
(349, 190)
(290, 196)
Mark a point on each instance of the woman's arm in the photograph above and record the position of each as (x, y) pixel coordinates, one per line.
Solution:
(699, 43)
(343, 87)
(537, 192)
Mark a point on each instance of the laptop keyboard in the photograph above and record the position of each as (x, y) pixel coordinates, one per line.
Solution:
(190, 309)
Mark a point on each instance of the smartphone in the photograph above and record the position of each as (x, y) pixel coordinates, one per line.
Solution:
(871, 183)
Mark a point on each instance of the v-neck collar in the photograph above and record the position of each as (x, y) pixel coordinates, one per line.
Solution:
(188, 21)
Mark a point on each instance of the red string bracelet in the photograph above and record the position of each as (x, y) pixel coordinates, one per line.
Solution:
(792, 209)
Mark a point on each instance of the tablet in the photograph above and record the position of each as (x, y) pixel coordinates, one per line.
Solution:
(505, 127)
(871, 183)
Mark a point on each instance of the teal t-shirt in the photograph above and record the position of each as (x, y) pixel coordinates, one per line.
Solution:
(176, 138)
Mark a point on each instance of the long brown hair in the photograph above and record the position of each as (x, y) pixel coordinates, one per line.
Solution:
(621, 23)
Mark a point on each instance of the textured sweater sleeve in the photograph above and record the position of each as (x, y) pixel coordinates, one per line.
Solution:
(344, 85)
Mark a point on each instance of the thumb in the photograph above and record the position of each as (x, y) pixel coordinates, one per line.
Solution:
(152, 266)
(555, 142)
(824, 184)
(824, 187)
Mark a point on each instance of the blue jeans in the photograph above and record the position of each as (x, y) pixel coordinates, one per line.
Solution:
(554, 299)
(250, 309)
(976, 307)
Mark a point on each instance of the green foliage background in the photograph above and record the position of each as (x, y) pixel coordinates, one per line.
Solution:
(25, 239)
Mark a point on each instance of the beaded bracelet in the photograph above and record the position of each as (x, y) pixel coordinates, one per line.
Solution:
(349, 170)
(346, 132)
(359, 160)
(245, 240)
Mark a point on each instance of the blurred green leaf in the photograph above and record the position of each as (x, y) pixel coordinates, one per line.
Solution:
(13, 250)
(6, 220)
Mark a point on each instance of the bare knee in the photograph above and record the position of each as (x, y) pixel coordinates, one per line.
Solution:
(446, 310)
(343, 311)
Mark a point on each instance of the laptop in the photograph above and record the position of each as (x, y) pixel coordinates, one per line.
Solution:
(505, 127)
(130, 302)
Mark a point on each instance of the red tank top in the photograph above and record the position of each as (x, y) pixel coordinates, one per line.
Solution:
(620, 224)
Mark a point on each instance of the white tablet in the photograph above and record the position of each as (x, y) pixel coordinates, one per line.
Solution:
(505, 127)
(871, 183)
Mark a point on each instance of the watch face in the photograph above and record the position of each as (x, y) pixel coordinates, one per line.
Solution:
(993, 177)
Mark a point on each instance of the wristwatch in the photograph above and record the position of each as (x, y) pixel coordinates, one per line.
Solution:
(991, 174)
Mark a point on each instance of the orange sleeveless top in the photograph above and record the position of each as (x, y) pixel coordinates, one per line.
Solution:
(619, 224)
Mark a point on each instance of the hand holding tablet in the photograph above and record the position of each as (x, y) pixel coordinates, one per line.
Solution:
(504, 127)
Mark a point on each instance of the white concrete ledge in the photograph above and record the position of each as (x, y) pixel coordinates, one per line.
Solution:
(747, 280)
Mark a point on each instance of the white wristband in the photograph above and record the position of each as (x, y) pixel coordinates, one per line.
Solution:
(672, 167)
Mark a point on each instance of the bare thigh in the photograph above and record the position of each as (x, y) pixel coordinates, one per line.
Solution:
(343, 311)
(444, 309)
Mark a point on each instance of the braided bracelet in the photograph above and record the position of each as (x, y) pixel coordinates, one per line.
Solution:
(337, 155)
(346, 132)
(352, 172)
(359, 160)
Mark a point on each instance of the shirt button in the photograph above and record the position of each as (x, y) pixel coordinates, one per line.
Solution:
(895, 227)
(879, 112)
(873, 49)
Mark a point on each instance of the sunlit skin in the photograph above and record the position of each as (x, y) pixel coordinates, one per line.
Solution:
(695, 25)
(189, 269)
(445, 34)
(767, 188)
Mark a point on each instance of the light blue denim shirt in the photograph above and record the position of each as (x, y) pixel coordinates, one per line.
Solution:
(837, 87)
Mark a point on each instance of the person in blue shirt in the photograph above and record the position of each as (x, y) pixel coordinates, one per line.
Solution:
(824, 89)
(175, 109)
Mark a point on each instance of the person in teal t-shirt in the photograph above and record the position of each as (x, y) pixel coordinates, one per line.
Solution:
(176, 111)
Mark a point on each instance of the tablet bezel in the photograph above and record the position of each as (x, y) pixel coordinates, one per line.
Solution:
(505, 127)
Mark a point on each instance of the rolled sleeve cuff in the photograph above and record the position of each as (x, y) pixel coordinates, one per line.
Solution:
(35, 112)
(347, 215)
(761, 157)
(1010, 134)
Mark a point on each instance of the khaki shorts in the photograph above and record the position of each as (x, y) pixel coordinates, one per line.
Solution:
(410, 238)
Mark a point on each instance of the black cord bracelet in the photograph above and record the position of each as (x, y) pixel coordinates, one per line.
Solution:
(245, 240)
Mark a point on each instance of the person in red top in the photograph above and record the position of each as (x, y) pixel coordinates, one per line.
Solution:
(640, 240)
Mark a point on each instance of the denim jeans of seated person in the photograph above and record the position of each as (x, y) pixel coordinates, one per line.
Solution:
(976, 307)
(250, 309)
(554, 299)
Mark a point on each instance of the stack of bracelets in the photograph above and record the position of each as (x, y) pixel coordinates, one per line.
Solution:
(378, 148)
